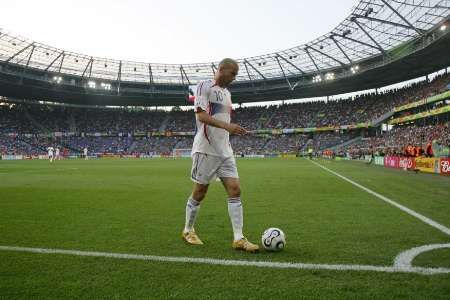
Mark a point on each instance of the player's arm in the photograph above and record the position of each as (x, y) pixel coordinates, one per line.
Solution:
(203, 117)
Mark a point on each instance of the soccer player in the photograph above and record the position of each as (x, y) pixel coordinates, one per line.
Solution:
(212, 154)
(57, 156)
(50, 153)
(85, 153)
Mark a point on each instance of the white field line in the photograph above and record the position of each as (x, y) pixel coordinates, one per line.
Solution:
(386, 199)
(404, 259)
(223, 262)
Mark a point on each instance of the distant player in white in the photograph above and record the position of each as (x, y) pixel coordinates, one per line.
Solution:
(57, 156)
(85, 153)
(212, 154)
(50, 153)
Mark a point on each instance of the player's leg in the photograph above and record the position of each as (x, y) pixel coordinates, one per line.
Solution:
(230, 180)
(203, 167)
(233, 189)
(192, 209)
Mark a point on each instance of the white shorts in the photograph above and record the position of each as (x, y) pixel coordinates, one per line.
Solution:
(205, 167)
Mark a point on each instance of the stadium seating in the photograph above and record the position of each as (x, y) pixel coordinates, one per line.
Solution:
(27, 128)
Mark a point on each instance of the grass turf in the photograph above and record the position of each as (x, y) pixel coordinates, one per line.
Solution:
(132, 206)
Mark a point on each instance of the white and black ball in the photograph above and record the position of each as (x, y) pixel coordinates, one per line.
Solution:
(273, 239)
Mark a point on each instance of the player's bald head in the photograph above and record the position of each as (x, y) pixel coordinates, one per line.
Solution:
(228, 70)
(228, 63)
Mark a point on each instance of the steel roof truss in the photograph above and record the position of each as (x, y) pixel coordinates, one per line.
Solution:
(340, 48)
(87, 66)
(214, 68)
(284, 74)
(312, 59)
(390, 23)
(402, 17)
(297, 68)
(257, 71)
(371, 38)
(150, 74)
(19, 52)
(329, 56)
(61, 63)
(49, 66)
(183, 72)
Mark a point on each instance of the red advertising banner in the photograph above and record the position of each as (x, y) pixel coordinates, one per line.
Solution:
(391, 162)
(407, 163)
(444, 165)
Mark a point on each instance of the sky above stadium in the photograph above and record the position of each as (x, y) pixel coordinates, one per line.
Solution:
(172, 31)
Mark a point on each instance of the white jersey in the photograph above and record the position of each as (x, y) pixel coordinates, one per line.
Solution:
(85, 151)
(57, 151)
(216, 102)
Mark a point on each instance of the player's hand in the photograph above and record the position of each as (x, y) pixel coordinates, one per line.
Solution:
(236, 129)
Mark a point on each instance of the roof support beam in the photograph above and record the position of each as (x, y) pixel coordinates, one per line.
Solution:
(340, 48)
(61, 63)
(297, 68)
(119, 78)
(257, 71)
(185, 75)
(26, 66)
(185, 88)
(29, 56)
(87, 66)
(150, 74)
(248, 73)
(419, 31)
(402, 17)
(90, 68)
(214, 69)
(329, 56)
(284, 74)
(19, 52)
(362, 43)
(312, 59)
(371, 38)
(434, 15)
(51, 64)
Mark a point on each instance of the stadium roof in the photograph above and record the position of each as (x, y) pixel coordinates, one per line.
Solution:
(377, 33)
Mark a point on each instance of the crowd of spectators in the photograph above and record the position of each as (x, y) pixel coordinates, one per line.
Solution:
(161, 145)
(117, 129)
(28, 118)
(15, 145)
(402, 140)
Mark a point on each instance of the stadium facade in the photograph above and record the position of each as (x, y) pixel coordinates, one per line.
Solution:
(381, 42)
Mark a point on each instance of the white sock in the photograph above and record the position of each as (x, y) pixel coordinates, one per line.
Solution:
(236, 217)
(192, 208)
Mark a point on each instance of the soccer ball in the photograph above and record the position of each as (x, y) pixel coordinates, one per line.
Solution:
(273, 239)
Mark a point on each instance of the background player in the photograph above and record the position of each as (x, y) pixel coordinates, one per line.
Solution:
(50, 153)
(57, 155)
(85, 153)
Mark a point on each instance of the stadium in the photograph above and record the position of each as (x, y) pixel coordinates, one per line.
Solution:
(352, 163)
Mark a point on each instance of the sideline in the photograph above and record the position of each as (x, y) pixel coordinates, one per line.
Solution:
(392, 202)
(223, 262)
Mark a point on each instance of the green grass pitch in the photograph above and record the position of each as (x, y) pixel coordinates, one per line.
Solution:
(138, 206)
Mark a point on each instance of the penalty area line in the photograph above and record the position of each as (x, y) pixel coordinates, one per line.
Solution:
(409, 211)
(224, 262)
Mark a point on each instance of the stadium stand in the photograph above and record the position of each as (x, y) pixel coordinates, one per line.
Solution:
(29, 128)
